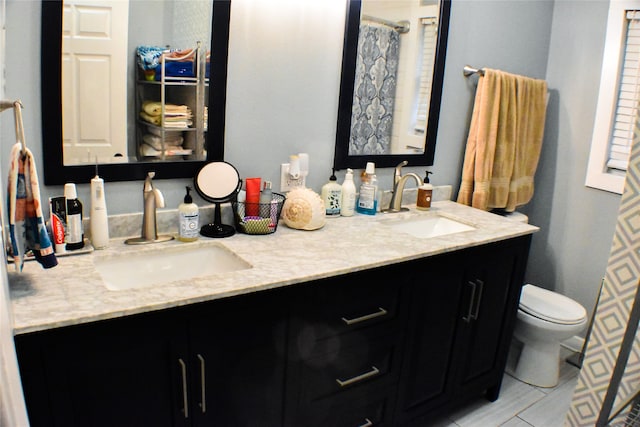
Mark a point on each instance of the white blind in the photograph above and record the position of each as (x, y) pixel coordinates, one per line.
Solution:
(625, 126)
(430, 35)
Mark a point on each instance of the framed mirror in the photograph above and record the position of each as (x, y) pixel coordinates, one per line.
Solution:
(391, 84)
(129, 162)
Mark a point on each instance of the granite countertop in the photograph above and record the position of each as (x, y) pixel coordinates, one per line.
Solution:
(74, 293)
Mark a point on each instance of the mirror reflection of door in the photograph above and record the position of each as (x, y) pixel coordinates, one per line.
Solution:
(94, 86)
(394, 71)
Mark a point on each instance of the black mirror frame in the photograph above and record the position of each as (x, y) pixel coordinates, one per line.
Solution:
(342, 158)
(55, 172)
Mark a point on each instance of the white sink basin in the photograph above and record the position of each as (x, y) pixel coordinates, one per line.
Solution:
(428, 226)
(165, 265)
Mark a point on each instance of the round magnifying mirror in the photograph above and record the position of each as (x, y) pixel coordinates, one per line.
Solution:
(218, 182)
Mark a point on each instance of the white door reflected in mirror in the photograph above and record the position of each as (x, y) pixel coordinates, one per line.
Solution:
(94, 92)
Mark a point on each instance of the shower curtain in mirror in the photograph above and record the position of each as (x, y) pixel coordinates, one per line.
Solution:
(374, 90)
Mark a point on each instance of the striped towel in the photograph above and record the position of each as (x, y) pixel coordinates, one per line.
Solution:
(26, 224)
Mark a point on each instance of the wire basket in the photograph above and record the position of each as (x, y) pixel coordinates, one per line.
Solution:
(258, 218)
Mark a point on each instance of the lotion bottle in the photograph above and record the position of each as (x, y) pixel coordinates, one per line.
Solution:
(332, 196)
(75, 230)
(99, 222)
(188, 230)
(348, 205)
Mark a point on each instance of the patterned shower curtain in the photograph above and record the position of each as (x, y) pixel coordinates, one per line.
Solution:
(374, 91)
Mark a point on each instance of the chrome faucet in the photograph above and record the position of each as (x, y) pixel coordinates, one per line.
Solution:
(152, 199)
(399, 181)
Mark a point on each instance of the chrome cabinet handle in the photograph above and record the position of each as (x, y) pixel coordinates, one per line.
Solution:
(185, 399)
(203, 387)
(368, 423)
(381, 312)
(476, 310)
(469, 315)
(373, 372)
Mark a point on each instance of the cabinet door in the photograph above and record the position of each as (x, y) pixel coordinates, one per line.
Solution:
(491, 290)
(238, 361)
(435, 299)
(113, 373)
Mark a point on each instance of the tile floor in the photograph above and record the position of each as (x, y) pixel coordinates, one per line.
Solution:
(520, 405)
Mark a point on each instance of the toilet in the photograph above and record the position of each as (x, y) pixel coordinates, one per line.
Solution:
(545, 319)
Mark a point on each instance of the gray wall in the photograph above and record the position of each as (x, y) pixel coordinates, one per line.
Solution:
(284, 69)
(577, 223)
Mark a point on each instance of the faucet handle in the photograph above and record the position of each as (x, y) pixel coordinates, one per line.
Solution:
(159, 198)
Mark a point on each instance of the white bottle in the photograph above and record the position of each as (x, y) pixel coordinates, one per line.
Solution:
(348, 205)
(99, 222)
(368, 198)
(332, 196)
(188, 230)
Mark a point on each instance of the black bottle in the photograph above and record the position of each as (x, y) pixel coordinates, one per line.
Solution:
(75, 231)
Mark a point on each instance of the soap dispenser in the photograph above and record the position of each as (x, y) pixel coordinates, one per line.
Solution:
(348, 203)
(332, 196)
(425, 193)
(188, 230)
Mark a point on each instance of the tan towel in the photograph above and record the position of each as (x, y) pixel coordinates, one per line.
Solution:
(504, 141)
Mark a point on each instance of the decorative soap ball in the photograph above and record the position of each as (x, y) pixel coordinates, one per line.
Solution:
(304, 210)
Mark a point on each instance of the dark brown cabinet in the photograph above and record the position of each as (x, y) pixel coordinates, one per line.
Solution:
(218, 363)
(345, 349)
(392, 346)
(461, 323)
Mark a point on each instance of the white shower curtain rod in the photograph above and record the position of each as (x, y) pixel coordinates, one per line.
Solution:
(400, 26)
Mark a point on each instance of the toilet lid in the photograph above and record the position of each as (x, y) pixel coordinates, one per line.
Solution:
(551, 306)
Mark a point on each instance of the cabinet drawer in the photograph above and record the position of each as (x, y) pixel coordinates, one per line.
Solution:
(336, 412)
(350, 303)
(350, 367)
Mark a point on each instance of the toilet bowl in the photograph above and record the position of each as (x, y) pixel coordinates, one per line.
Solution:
(545, 318)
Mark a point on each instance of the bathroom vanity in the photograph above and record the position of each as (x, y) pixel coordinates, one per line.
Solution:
(323, 328)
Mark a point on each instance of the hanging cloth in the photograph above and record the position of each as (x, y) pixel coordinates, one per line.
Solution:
(504, 142)
(26, 223)
(375, 90)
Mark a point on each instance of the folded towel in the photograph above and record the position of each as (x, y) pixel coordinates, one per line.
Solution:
(156, 141)
(148, 151)
(167, 133)
(156, 120)
(154, 108)
(26, 222)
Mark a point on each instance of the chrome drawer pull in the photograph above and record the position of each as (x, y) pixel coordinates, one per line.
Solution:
(185, 399)
(381, 312)
(367, 424)
(476, 311)
(373, 372)
(203, 397)
(469, 317)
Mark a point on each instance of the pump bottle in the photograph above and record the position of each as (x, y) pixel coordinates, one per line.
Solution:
(348, 204)
(188, 230)
(332, 196)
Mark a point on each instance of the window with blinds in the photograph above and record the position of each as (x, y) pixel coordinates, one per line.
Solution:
(429, 28)
(615, 128)
(625, 125)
